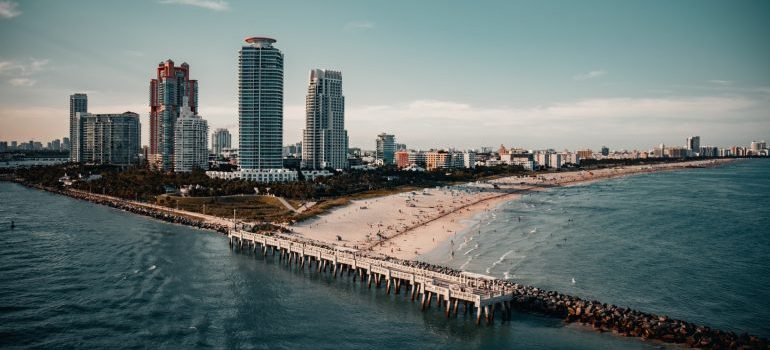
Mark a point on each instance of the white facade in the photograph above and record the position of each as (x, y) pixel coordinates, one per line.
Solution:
(190, 140)
(324, 139)
(554, 160)
(263, 175)
(469, 159)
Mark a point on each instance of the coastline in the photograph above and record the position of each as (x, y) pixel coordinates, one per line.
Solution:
(602, 317)
(563, 180)
(410, 225)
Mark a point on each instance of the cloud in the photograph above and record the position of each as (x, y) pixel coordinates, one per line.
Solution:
(19, 82)
(214, 5)
(721, 82)
(359, 26)
(8, 9)
(623, 122)
(15, 68)
(590, 75)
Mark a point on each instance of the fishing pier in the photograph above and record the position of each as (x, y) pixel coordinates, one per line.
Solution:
(476, 293)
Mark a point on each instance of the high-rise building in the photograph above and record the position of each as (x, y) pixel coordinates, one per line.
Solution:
(108, 138)
(385, 148)
(693, 145)
(605, 151)
(65, 144)
(191, 134)
(325, 140)
(78, 104)
(55, 145)
(220, 140)
(757, 146)
(167, 92)
(260, 105)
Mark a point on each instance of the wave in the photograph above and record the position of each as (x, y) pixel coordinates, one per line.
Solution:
(499, 261)
(462, 267)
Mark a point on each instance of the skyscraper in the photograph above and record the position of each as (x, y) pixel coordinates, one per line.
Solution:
(167, 92)
(191, 134)
(693, 145)
(78, 104)
(324, 140)
(109, 138)
(386, 148)
(260, 105)
(220, 140)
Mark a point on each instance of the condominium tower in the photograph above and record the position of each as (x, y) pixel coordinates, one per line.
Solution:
(386, 148)
(693, 144)
(260, 105)
(220, 140)
(324, 140)
(78, 104)
(108, 138)
(191, 134)
(167, 92)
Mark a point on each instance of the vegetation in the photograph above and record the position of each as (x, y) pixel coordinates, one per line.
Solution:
(247, 207)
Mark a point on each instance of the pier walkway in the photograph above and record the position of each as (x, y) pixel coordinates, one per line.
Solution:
(476, 293)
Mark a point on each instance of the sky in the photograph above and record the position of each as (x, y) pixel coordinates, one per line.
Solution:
(437, 74)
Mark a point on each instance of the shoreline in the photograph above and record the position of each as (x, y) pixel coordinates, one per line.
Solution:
(413, 224)
(439, 248)
(620, 321)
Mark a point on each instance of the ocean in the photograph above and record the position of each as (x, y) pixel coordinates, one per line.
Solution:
(690, 244)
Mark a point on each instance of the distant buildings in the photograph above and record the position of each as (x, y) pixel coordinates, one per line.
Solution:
(78, 104)
(220, 140)
(693, 145)
(260, 107)
(402, 159)
(758, 146)
(385, 148)
(324, 140)
(108, 138)
(294, 150)
(190, 140)
(585, 154)
(167, 91)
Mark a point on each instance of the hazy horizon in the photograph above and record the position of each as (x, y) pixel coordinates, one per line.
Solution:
(559, 74)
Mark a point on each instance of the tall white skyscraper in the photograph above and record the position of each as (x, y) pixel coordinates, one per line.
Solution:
(191, 134)
(260, 105)
(324, 140)
(220, 140)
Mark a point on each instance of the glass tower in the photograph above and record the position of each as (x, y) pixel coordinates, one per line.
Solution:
(260, 105)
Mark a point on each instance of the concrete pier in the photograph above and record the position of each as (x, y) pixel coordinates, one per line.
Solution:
(448, 290)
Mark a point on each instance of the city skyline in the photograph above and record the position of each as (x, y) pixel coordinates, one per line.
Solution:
(503, 73)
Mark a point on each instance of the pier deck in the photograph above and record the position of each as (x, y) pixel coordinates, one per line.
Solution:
(420, 282)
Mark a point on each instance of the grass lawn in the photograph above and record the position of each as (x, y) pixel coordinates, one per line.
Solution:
(247, 208)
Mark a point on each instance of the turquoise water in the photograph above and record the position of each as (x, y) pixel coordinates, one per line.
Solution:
(691, 244)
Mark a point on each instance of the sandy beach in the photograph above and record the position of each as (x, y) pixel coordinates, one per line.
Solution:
(409, 224)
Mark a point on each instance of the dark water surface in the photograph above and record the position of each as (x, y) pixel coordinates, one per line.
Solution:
(692, 244)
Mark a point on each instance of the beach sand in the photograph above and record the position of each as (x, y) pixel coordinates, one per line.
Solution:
(409, 224)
